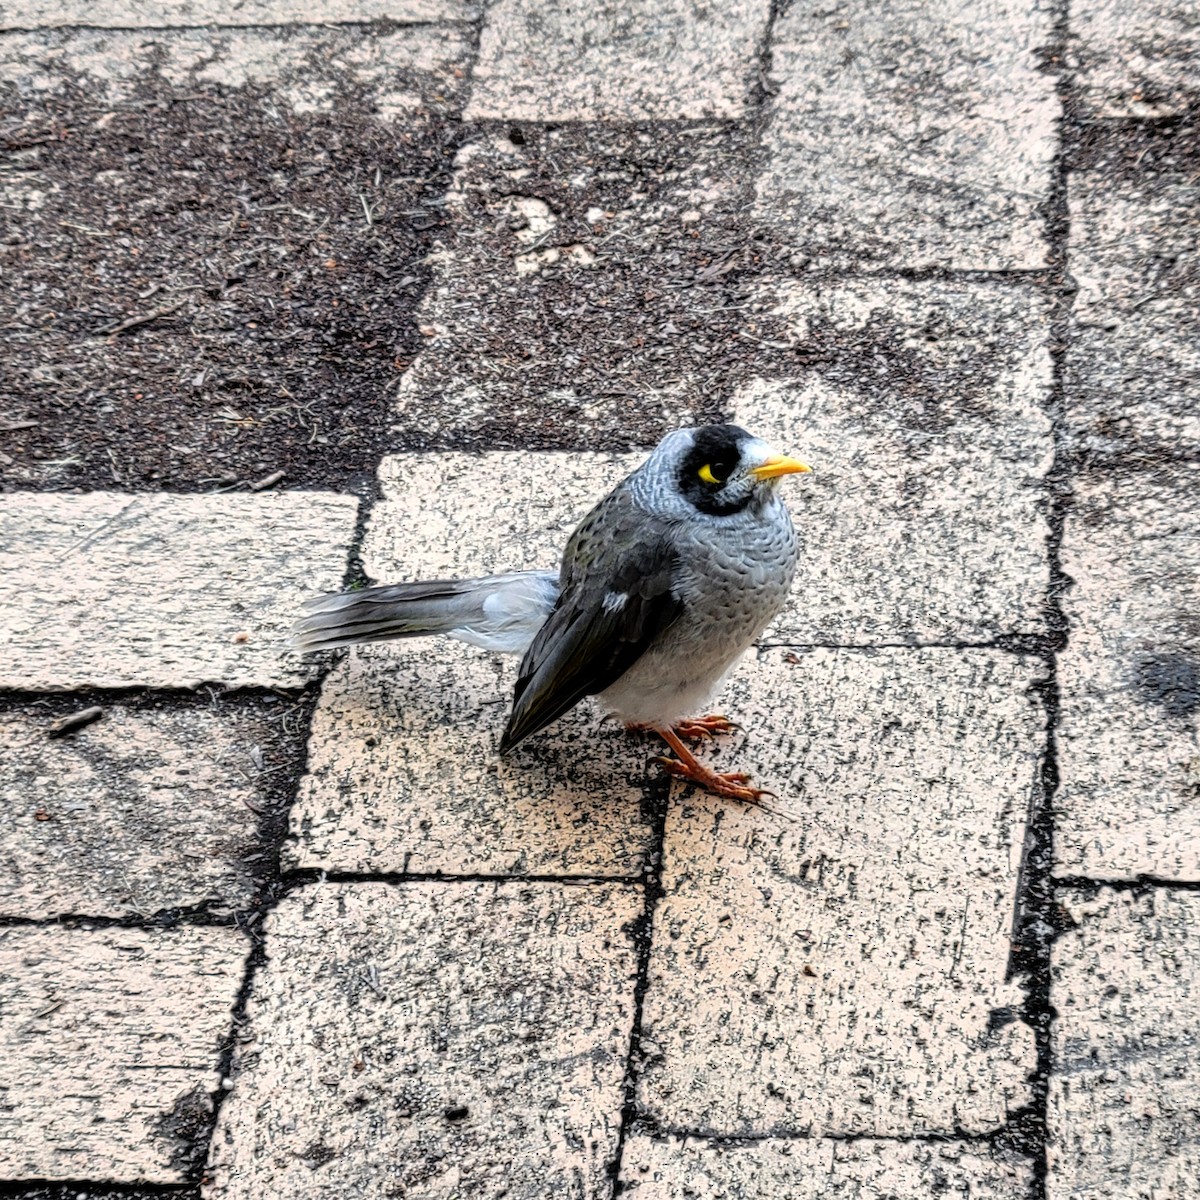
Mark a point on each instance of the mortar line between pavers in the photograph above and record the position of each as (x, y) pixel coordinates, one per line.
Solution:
(1034, 912)
(927, 1137)
(1134, 883)
(659, 794)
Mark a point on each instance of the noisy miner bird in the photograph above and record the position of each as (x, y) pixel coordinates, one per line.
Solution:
(663, 585)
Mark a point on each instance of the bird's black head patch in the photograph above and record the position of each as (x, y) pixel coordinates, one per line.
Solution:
(715, 454)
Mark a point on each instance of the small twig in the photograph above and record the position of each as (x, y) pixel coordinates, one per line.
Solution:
(13, 426)
(267, 481)
(141, 319)
(75, 720)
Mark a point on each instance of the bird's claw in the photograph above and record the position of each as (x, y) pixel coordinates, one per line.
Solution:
(730, 784)
(705, 727)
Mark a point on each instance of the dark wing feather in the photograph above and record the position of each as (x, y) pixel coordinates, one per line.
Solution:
(586, 645)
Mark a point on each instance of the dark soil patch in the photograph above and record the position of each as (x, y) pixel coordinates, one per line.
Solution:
(207, 288)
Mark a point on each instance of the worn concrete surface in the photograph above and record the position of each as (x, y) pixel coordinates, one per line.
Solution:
(233, 244)
(110, 1042)
(1133, 362)
(395, 72)
(167, 14)
(1129, 741)
(911, 134)
(1135, 59)
(433, 1039)
(141, 811)
(1123, 1092)
(840, 968)
(819, 1169)
(111, 590)
(622, 60)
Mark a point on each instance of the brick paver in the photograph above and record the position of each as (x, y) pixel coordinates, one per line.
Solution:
(395, 70)
(434, 1039)
(403, 773)
(819, 1169)
(938, 503)
(1135, 59)
(140, 811)
(911, 134)
(843, 972)
(1128, 747)
(156, 14)
(111, 590)
(625, 60)
(110, 1045)
(1123, 1094)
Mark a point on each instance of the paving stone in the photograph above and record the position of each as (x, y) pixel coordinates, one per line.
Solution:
(434, 1039)
(920, 410)
(152, 14)
(819, 1169)
(111, 1041)
(642, 60)
(1135, 59)
(587, 290)
(1133, 360)
(111, 590)
(838, 967)
(394, 72)
(1123, 1090)
(906, 135)
(1128, 801)
(403, 771)
(148, 808)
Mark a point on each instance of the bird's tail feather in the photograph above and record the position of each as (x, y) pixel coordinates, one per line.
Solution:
(498, 612)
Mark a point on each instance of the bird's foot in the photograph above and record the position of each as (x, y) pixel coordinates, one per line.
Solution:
(732, 784)
(705, 727)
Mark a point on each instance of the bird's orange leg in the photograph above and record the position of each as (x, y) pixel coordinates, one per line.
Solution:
(686, 766)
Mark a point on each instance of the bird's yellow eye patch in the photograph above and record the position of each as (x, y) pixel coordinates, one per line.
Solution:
(707, 475)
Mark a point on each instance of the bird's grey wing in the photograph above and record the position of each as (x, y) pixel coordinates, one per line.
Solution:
(619, 571)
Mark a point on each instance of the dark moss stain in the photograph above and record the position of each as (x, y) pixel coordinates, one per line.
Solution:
(1170, 680)
(186, 1128)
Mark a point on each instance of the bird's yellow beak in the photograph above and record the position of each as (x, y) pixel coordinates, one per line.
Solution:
(777, 465)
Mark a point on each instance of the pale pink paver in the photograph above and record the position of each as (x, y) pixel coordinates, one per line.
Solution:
(112, 590)
(1128, 802)
(676, 1168)
(138, 812)
(909, 134)
(109, 1047)
(925, 517)
(840, 968)
(434, 1040)
(156, 14)
(1134, 58)
(1124, 1080)
(403, 772)
(625, 60)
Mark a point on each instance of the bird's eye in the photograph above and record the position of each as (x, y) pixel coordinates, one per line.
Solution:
(706, 473)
